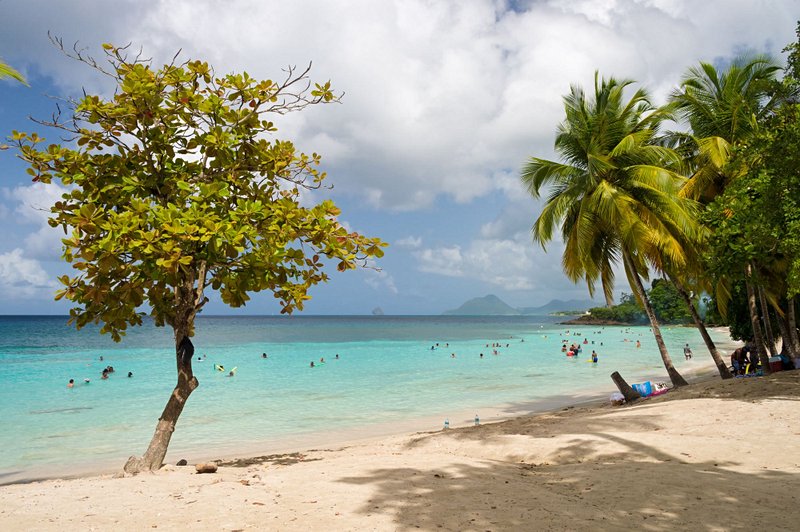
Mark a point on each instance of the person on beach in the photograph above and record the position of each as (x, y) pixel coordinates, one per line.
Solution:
(130, 374)
(71, 383)
(638, 343)
(687, 352)
(312, 364)
(736, 361)
(263, 355)
(594, 357)
(104, 375)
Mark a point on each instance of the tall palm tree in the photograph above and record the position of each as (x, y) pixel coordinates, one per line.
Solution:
(723, 109)
(614, 195)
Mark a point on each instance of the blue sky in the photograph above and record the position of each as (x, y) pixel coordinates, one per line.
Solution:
(444, 101)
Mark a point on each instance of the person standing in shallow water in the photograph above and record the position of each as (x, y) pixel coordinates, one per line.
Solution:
(687, 352)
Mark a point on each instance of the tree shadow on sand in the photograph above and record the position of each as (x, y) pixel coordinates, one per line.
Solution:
(669, 494)
(598, 479)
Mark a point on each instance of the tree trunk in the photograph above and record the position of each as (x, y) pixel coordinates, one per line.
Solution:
(624, 388)
(153, 458)
(787, 346)
(791, 322)
(767, 322)
(722, 367)
(674, 376)
(754, 322)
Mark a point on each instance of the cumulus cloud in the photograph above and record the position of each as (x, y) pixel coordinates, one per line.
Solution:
(505, 263)
(32, 206)
(439, 95)
(23, 277)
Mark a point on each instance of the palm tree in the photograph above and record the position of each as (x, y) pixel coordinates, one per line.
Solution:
(723, 109)
(8, 72)
(614, 195)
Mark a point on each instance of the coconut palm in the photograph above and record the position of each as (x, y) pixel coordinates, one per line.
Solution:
(614, 196)
(723, 109)
(8, 72)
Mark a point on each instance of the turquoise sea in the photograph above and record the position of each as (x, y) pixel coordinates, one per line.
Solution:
(387, 378)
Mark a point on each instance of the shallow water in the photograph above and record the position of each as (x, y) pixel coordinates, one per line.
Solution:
(386, 374)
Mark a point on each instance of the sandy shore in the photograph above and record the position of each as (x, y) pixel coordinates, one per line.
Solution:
(714, 456)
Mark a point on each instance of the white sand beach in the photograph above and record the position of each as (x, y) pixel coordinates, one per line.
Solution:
(718, 455)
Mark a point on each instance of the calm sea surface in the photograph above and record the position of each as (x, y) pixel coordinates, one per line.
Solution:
(386, 374)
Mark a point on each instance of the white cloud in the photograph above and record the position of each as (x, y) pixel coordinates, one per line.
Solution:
(409, 242)
(439, 95)
(33, 204)
(506, 263)
(379, 280)
(23, 277)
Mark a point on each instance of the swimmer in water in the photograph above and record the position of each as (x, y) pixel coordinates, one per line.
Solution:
(312, 364)
(130, 374)
(71, 383)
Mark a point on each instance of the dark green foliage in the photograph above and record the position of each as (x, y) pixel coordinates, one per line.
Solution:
(667, 303)
(628, 311)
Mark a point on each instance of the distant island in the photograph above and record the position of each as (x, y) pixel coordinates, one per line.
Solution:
(492, 305)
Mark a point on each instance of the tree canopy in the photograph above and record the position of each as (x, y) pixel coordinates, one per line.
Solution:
(177, 185)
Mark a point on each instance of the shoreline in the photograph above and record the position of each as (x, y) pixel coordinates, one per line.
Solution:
(348, 436)
(662, 463)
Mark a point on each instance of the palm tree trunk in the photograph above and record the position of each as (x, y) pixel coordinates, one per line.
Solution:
(791, 323)
(787, 346)
(762, 299)
(674, 376)
(722, 367)
(754, 321)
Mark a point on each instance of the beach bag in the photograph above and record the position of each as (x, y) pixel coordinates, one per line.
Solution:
(644, 389)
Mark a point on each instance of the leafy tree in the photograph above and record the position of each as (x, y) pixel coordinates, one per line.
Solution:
(178, 186)
(667, 302)
(627, 311)
(615, 196)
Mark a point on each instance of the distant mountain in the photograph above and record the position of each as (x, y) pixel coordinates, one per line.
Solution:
(490, 305)
(557, 305)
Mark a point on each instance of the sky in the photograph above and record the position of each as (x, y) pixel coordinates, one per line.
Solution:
(443, 103)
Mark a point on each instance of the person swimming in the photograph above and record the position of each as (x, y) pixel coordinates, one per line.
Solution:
(312, 364)
(130, 374)
(71, 383)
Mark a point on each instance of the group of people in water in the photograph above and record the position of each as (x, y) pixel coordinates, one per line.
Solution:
(107, 371)
(322, 361)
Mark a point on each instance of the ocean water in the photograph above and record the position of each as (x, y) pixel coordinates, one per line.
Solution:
(386, 375)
